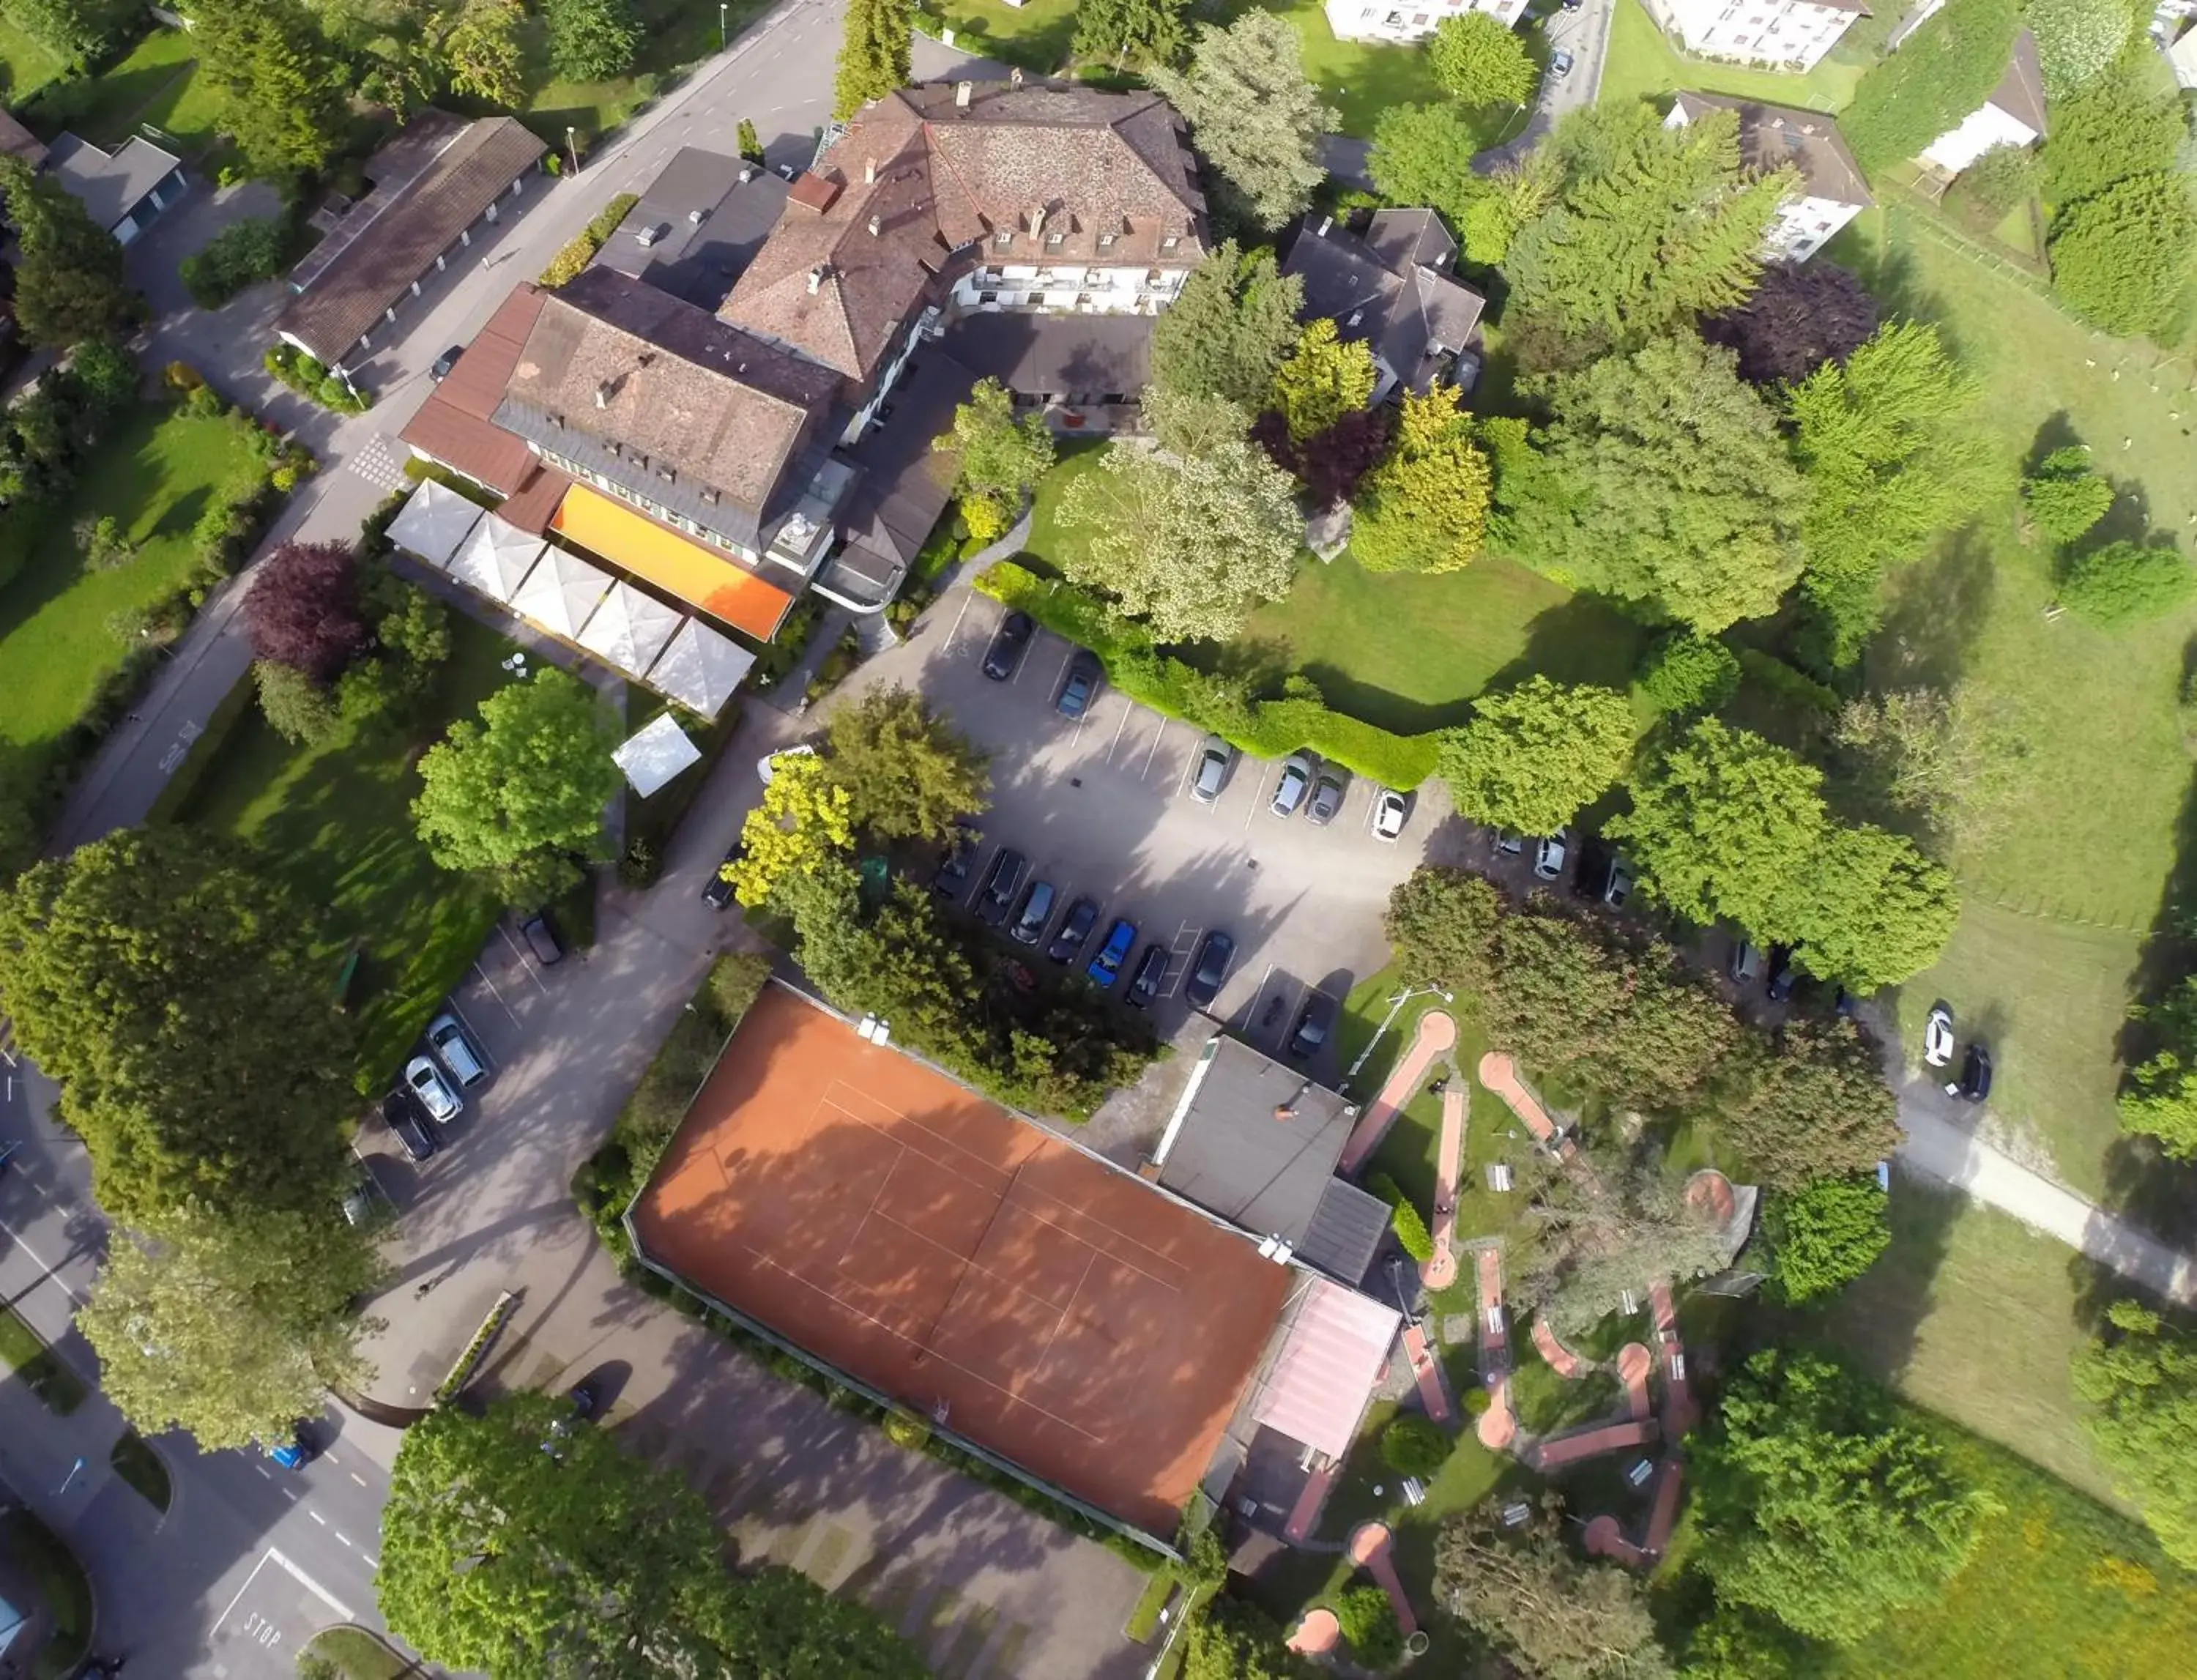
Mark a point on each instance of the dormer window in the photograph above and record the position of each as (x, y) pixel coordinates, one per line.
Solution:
(1004, 238)
(1052, 241)
(1169, 243)
(1105, 241)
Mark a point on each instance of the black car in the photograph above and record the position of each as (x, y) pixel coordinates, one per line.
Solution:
(1004, 658)
(1975, 1075)
(1214, 952)
(444, 363)
(1034, 912)
(952, 880)
(1074, 927)
(1783, 976)
(1001, 883)
(1313, 1021)
(1151, 972)
(717, 890)
(402, 1121)
(541, 937)
(1081, 685)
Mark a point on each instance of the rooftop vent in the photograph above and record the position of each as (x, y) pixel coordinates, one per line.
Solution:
(869, 171)
(961, 92)
(695, 216)
(649, 234)
(815, 280)
(747, 173)
(603, 397)
(876, 226)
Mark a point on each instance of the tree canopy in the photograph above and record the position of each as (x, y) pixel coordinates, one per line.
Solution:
(1000, 456)
(1228, 331)
(2160, 1096)
(1423, 155)
(1424, 507)
(1533, 756)
(2065, 496)
(304, 610)
(876, 56)
(1442, 922)
(907, 772)
(1254, 114)
(76, 30)
(2139, 1380)
(284, 98)
(1809, 1103)
(1943, 71)
(69, 283)
(1526, 1593)
(1480, 59)
(484, 52)
(1799, 316)
(2126, 582)
(590, 40)
(2119, 259)
(1321, 381)
(1824, 1235)
(1683, 673)
(1142, 32)
(801, 823)
(2075, 40)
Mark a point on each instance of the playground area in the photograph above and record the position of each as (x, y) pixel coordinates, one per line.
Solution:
(978, 1271)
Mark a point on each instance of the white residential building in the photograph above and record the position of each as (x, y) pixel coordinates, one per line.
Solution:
(1832, 192)
(1411, 19)
(1783, 34)
(2014, 115)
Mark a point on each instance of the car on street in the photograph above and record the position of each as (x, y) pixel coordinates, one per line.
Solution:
(1074, 927)
(1560, 64)
(1001, 883)
(767, 766)
(1210, 968)
(444, 363)
(455, 1049)
(1216, 759)
(1004, 658)
(1106, 967)
(1938, 1035)
(717, 890)
(1034, 912)
(292, 1454)
(402, 1117)
(541, 936)
(1783, 975)
(1297, 780)
(1975, 1081)
(1079, 687)
(1617, 888)
(1549, 857)
(1326, 798)
(1313, 1020)
(952, 880)
(426, 1082)
(1151, 974)
(1391, 810)
(1746, 962)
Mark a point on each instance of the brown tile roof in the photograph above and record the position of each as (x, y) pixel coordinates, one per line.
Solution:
(453, 425)
(18, 142)
(924, 184)
(1773, 136)
(537, 501)
(349, 295)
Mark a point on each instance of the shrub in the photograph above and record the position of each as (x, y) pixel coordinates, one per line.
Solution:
(296, 708)
(1476, 1402)
(181, 376)
(904, 1429)
(2119, 259)
(2124, 582)
(1796, 689)
(1415, 1446)
(1412, 1233)
(568, 263)
(1369, 1623)
(240, 255)
(1684, 672)
(1995, 182)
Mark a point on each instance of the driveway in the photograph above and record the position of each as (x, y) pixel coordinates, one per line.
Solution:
(1582, 30)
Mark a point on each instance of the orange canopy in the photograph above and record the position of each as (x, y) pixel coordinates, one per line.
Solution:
(694, 574)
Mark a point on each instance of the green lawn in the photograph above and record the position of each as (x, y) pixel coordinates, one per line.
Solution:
(24, 1352)
(156, 82)
(357, 1654)
(155, 474)
(336, 820)
(26, 65)
(46, 1558)
(1643, 64)
(1036, 37)
(680, 33)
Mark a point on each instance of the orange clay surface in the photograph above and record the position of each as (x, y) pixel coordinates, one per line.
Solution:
(1435, 1035)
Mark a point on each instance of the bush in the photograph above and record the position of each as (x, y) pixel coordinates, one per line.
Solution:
(182, 377)
(1412, 1233)
(1476, 1402)
(568, 263)
(1796, 689)
(296, 708)
(308, 377)
(904, 1429)
(1415, 1446)
(1684, 672)
(240, 255)
(2119, 259)
(1369, 1623)
(2004, 178)
(2126, 582)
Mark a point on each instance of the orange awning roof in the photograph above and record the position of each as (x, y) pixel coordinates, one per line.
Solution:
(720, 586)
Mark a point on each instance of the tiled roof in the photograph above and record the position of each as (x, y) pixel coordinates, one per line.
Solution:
(1400, 312)
(920, 182)
(110, 184)
(2020, 91)
(348, 295)
(1772, 135)
(455, 426)
(1401, 238)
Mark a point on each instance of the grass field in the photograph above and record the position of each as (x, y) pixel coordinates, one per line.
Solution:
(336, 819)
(26, 65)
(1643, 64)
(357, 1654)
(679, 33)
(157, 84)
(141, 1467)
(24, 1352)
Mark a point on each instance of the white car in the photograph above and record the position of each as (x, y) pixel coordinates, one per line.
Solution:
(432, 1090)
(1390, 809)
(1619, 887)
(767, 766)
(1549, 857)
(1937, 1036)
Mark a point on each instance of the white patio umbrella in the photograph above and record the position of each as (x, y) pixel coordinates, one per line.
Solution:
(654, 754)
(700, 668)
(434, 521)
(560, 592)
(630, 628)
(495, 558)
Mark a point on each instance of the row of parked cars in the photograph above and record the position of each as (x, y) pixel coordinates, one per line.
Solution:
(434, 1085)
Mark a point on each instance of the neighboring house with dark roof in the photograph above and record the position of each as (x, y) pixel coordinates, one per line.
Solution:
(698, 226)
(18, 142)
(2014, 115)
(1411, 19)
(432, 183)
(1831, 193)
(122, 190)
(1777, 34)
(1392, 287)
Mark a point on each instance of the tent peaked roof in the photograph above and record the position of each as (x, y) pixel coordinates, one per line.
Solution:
(495, 558)
(700, 668)
(630, 628)
(560, 593)
(653, 754)
(434, 523)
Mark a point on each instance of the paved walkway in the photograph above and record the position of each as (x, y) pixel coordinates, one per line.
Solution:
(1371, 1551)
(1440, 1271)
(1435, 1035)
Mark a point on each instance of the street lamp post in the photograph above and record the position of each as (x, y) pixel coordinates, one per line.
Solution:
(722, 40)
(572, 146)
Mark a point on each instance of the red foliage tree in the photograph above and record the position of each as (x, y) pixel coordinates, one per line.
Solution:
(304, 611)
(1799, 317)
(1329, 465)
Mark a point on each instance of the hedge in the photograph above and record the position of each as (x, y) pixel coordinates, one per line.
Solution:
(576, 256)
(1796, 688)
(1412, 1233)
(1940, 74)
(1263, 728)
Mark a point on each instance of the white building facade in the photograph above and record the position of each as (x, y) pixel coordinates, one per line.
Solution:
(1405, 20)
(1783, 34)
(1831, 191)
(2014, 115)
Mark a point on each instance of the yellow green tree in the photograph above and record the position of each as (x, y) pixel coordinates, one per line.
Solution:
(1425, 507)
(805, 817)
(1322, 380)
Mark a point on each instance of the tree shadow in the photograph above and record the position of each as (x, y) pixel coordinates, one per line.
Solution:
(1931, 613)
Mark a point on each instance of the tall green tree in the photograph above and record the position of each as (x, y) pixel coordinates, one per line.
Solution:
(1824, 1235)
(2121, 127)
(1425, 506)
(1254, 114)
(2119, 583)
(908, 772)
(519, 796)
(1480, 61)
(1230, 328)
(1810, 1103)
(1664, 480)
(2076, 39)
(1534, 756)
(69, 284)
(1958, 762)
(1131, 32)
(876, 54)
(282, 94)
(1441, 923)
(1816, 1503)
(2139, 1380)
(1942, 72)
(801, 826)
(172, 985)
(1322, 380)
(1000, 456)
(1591, 1251)
(484, 52)
(232, 1328)
(2119, 259)
(1869, 908)
(1527, 1592)
(2065, 496)
(591, 39)
(2160, 1096)
(1423, 155)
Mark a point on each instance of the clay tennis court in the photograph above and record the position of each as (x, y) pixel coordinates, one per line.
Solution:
(1064, 1315)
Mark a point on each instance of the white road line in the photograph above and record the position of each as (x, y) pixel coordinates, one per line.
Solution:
(1153, 749)
(262, 1468)
(1252, 1002)
(291, 1494)
(1061, 675)
(316, 1517)
(954, 635)
(330, 1458)
(1259, 798)
(246, 1588)
(521, 955)
(1189, 764)
(498, 996)
(357, 1478)
(372, 1562)
(341, 1535)
(309, 1584)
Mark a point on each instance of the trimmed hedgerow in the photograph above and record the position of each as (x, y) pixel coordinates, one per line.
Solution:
(1412, 1233)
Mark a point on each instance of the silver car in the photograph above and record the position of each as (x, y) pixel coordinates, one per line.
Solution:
(432, 1090)
(1296, 779)
(1549, 857)
(1216, 760)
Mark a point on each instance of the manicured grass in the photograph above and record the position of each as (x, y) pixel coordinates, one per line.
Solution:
(1037, 36)
(24, 1352)
(358, 1655)
(1643, 64)
(46, 1558)
(27, 65)
(156, 82)
(137, 1464)
(153, 475)
(1360, 78)
(336, 821)
(679, 34)
(1050, 542)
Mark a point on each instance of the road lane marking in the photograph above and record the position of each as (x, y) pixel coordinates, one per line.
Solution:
(303, 1579)
(372, 1562)
(521, 955)
(1252, 1002)
(330, 1458)
(1258, 797)
(357, 1478)
(341, 1535)
(1061, 675)
(954, 635)
(1128, 711)
(291, 1495)
(316, 1517)
(1153, 749)
(262, 1468)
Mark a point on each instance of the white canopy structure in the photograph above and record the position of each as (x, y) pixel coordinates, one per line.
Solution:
(560, 592)
(630, 628)
(434, 523)
(495, 558)
(700, 668)
(655, 753)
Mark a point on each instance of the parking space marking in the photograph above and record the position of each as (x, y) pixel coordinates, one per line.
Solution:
(1060, 677)
(1284, 1017)
(1154, 748)
(1252, 1002)
(954, 635)
(1259, 798)
(498, 995)
(523, 962)
(316, 1517)
(1129, 709)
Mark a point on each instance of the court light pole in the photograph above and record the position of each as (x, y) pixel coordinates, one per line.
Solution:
(722, 40)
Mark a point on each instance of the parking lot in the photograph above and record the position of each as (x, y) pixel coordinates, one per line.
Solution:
(1102, 806)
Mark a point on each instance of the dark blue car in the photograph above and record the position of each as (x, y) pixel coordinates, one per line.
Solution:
(1106, 966)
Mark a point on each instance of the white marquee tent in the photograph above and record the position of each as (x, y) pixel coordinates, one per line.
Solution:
(434, 523)
(656, 753)
(495, 558)
(700, 668)
(560, 592)
(630, 628)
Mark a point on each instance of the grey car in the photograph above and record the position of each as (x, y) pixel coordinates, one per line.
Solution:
(1326, 798)
(1216, 762)
(1296, 781)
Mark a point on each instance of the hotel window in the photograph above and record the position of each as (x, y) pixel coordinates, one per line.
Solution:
(1105, 241)
(1003, 239)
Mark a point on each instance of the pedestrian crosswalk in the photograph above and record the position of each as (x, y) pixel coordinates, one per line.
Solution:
(379, 464)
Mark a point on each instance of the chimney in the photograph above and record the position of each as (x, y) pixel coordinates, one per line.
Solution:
(961, 92)
(869, 171)
(1037, 221)
(1284, 1113)
(876, 226)
(1325, 222)
(603, 395)
(815, 280)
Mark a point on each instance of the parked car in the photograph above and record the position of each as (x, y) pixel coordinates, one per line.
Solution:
(1746, 962)
(1783, 976)
(456, 1050)
(1464, 374)
(1074, 927)
(1035, 912)
(584, 1397)
(1216, 760)
(1391, 810)
(1326, 798)
(1975, 1081)
(402, 1117)
(1310, 1030)
(767, 766)
(952, 880)
(1106, 967)
(1938, 1035)
(717, 890)
(292, 1454)
(540, 934)
(1214, 952)
(1001, 883)
(1296, 779)
(426, 1082)
(1507, 843)
(364, 1201)
(1560, 64)
(1080, 687)
(444, 363)
(1151, 974)
(1004, 658)
(1549, 857)
(1618, 888)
